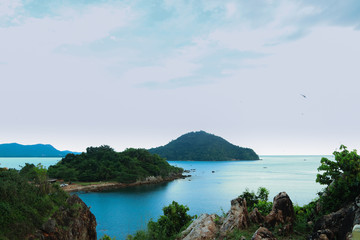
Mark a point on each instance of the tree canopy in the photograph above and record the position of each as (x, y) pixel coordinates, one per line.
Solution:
(342, 178)
(104, 164)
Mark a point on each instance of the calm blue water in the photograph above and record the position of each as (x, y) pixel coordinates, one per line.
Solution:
(124, 211)
(19, 162)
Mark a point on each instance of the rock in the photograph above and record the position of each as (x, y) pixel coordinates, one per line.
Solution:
(202, 228)
(336, 225)
(357, 217)
(256, 217)
(325, 234)
(357, 201)
(323, 237)
(263, 233)
(74, 222)
(237, 217)
(282, 213)
(49, 226)
(357, 212)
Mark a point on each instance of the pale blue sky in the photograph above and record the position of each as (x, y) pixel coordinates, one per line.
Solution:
(141, 73)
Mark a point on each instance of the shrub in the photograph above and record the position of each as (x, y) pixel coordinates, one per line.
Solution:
(175, 218)
(263, 207)
(252, 199)
(342, 178)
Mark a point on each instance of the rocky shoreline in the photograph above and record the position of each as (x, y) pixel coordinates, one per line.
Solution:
(115, 185)
(281, 220)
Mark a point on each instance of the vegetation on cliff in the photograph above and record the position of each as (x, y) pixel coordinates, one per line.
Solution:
(104, 164)
(202, 146)
(24, 205)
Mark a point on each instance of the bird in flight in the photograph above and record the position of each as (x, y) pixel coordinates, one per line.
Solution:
(303, 95)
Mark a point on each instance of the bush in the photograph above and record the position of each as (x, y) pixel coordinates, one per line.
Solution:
(253, 199)
(342, 178)
(170, 224)
(263, 207)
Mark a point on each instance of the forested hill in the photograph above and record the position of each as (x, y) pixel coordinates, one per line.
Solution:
(202, 146)
(37, 150)
(104, 164)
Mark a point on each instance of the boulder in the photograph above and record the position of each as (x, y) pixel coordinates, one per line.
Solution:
(256, 217)
(282, 213)
(237, 217)
(263, 234)
(202, 228)
(49, 226)
(357, 212)
(336, 225)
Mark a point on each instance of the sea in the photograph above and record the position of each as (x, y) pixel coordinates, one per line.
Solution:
(210, 189)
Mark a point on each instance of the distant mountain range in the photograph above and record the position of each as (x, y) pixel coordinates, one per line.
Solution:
(202, 146)
(37, 150)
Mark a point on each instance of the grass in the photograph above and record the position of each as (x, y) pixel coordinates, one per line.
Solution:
(249, 232)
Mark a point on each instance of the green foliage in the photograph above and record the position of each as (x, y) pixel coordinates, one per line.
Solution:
(239, 233)
(25, 206)
(167, 227)
(262, 194)
(263, 207)
(106, 237)
(202, 146)
(28, 172)
(104, 164)
(253, 200)
(342, 178)
(304, 215)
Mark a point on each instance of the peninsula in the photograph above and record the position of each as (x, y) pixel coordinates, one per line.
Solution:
(203, 146)
(104, 164)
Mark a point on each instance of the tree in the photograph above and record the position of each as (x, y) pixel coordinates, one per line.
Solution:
(253, 199)
(342, 178)
(41, 178)
(28, 172)
(175, 218)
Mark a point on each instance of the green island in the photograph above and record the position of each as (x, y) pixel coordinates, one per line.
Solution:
(203, 146)
(104, 164)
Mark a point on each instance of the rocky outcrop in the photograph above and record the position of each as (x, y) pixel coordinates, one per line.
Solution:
(263, 234)
(256, 217)
(71, 222)
(237, 217)
(203, 228)
(282, 213)
(336, 225)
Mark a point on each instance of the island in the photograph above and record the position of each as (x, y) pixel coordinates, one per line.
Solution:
(203, 146)
(101, 168)
(36, 150)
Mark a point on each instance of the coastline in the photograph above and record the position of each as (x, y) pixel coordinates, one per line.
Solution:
(115, 185)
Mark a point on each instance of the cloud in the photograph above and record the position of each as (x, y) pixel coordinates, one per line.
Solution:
(70, 28)
(8, 8)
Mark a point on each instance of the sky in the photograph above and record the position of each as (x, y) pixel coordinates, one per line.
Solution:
(280, 77)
